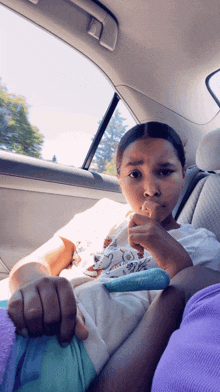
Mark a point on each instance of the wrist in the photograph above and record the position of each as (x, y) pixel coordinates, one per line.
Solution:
(174, 268)
(26, 272)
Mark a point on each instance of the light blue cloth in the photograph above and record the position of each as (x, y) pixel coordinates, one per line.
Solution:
(63, 369)
(41, 364)
(152, 279)
(22, 357)
(4, 304)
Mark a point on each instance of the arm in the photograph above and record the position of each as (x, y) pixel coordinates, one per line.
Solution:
(132, 366)
(195, 278)
(41, 303)
(50, 259)
(134, 373)
(169, 254)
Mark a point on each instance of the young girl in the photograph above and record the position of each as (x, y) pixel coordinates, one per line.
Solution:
(151, 170)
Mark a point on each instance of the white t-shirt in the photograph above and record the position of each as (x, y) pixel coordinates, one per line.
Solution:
(108, 220)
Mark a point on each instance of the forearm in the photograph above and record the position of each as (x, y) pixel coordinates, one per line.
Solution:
(195, 278)
(171, 256)
(132, 366)
(49, 259)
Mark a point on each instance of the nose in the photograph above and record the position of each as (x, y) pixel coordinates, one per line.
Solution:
(151, 187)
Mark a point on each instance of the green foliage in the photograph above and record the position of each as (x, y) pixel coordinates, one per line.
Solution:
(104, 157)
(110, 169)
(16, 132)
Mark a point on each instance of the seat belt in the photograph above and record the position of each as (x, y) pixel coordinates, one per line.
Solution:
(193, 176)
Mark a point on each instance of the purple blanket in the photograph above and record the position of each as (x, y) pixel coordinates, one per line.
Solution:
(7, 340)
(191, 360)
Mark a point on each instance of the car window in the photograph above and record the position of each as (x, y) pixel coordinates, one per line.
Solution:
(104, 159)
(51, 97)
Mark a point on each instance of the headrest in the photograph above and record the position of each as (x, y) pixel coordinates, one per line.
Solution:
(208, 152)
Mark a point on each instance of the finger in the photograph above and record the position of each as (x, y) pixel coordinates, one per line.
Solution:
(68, 310)
(152, 210)
(16, 313)
(156, 213)
(131, 221)
(81, 331)
(134, 241)
(33, 312)
(51, 308)
(137, 220)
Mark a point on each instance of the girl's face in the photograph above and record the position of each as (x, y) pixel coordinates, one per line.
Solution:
(151, 171)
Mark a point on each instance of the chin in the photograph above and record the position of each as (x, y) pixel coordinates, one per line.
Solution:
(167, 219)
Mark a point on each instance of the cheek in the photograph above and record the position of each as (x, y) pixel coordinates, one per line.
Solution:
(172, 189)
(131, 191)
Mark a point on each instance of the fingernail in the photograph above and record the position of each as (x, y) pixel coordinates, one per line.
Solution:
(24, 332)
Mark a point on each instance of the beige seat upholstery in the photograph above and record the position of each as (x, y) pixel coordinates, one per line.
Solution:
(202, 209)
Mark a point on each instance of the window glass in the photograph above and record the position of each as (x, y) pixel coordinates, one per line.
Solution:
(104, 158)
(51, 97)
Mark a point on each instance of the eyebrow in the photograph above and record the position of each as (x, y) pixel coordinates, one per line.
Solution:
(141, 162)
(135, 163)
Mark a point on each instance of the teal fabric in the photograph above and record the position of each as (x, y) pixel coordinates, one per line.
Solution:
(152, 279)
(29, 357)
(25, 355)
(4, 304)
(41, 364)
(63, 369)
(24, 362)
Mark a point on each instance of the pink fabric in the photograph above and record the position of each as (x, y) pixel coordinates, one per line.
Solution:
(7, 340)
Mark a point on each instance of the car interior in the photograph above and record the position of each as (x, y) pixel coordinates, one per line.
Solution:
(159, 57)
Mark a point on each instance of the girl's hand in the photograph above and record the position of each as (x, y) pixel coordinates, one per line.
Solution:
(47, 306)
(143, 229)
(146, 232)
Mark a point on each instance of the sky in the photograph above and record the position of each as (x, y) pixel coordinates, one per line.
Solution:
(67, 95)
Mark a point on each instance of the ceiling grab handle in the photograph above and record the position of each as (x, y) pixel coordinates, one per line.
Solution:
(34, 1)
(103, 26)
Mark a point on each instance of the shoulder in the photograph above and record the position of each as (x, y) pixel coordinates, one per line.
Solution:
(188, 230)
(192, 238)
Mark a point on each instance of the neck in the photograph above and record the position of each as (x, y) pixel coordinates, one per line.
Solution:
(169, 223)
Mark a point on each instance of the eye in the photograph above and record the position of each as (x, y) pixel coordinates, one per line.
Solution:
(135, 174)
(165, 173)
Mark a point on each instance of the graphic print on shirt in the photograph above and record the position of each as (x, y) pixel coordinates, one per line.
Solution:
(126, 256)
(138, 266)
(102, 261)
(120, 258)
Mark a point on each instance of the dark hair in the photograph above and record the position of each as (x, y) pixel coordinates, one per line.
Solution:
(154, 130)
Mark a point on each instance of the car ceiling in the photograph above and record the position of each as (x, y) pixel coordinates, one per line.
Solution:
(163, 54)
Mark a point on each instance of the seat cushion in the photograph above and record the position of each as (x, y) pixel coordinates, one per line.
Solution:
(203, 206)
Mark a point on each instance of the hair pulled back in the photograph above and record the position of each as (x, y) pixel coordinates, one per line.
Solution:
(154, 130)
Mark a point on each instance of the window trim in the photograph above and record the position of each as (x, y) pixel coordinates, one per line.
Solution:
(100, 132)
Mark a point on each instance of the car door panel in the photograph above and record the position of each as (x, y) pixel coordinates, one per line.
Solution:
(38, 198)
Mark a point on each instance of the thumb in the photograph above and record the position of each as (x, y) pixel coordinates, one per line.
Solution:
(152, 210)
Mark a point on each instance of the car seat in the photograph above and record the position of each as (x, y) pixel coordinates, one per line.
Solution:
(202, 208)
